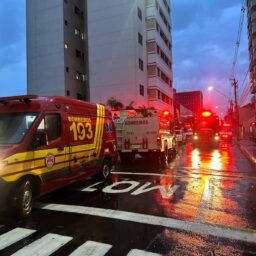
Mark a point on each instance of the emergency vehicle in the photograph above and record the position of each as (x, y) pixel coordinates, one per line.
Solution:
(226, 132)
(147, 135)
(206, 129)
(50, 142)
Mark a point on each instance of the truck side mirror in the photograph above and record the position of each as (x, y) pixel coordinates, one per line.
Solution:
(38, 140)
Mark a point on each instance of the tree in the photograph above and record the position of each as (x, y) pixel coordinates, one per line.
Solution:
(114, 104)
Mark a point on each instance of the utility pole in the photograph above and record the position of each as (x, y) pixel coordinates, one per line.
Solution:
(235, 85)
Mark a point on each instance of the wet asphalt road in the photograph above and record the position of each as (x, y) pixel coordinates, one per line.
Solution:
(202, 203)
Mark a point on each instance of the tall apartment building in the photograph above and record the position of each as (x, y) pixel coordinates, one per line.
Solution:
(251, 14)
(57, 62)
(99, 49)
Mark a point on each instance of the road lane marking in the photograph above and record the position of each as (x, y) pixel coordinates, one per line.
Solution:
(91, 248)
(14, 236)
(214, 230)
(135, 252)
(192, 173)
(150, 174)
(44, 246)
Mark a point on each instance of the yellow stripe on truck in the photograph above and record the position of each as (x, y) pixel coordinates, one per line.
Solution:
(36, 172)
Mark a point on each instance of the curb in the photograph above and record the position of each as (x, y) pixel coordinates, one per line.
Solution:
(247, 153)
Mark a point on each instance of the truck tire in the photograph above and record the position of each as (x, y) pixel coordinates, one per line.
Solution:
(24, 198)
(106, 169)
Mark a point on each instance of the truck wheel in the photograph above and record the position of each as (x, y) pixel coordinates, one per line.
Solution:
(24, 199)
(106, 169)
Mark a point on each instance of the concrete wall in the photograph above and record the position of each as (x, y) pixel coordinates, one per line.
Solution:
(45, 47)
(114, 50)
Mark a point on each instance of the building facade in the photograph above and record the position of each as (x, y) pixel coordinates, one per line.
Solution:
(251, 14)
(94, 50)
(57, 62)
(191, 100)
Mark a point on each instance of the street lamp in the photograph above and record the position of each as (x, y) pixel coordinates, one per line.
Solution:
(211, 88)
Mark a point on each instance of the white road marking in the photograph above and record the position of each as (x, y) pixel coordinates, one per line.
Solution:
(214, 230)
(44, 246)
(192, 173)
(151, 174)
(14, 236)
(135, 252)
(90, 188)
(166, 191)
(91, 248)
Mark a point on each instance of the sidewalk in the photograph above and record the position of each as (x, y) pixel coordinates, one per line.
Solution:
(249, 149)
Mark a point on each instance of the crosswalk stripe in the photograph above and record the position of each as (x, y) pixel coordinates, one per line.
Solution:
(91, 248)
(136, 252)
(44, 246)
(14, 236)
(246, 235)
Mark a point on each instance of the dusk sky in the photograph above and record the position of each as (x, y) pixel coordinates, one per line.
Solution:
(204, 36)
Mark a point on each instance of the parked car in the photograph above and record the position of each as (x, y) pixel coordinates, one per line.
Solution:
(189, 134)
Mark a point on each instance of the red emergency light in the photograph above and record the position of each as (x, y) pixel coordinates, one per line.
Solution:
(227, 125)
(166, 113)
(206, 113)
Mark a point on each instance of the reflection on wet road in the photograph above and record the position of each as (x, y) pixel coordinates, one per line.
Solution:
(202, 203)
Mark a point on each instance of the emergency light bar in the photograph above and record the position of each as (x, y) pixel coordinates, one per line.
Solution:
(206, 113)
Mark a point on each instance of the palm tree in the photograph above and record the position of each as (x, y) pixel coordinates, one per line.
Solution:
(114, 104)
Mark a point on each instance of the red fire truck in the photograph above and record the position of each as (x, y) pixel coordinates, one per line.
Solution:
(206, 129)
(147, 135)
(226, 132)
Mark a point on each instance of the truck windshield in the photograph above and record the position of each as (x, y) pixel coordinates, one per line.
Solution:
(14, 127)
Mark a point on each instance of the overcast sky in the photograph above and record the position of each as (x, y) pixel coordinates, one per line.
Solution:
(204, 36)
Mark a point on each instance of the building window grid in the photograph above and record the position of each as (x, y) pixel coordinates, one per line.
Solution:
(159, 73)
(162, 35)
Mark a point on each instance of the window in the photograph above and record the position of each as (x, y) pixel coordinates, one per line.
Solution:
(66, 46)
(67, 92)
(77, 10)
(141, 64)
(141, 90)
(139, 13)
(78, 75)
(67, 69)
(48, 130)
(77, 32)
(140, 39)
(66, 23)
(79, 96)
(78, 54)
(15, 126)
(65, 1)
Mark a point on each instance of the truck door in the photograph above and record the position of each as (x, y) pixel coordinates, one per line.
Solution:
(50, 154)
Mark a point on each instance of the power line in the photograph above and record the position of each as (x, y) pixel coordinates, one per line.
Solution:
(240, 28)
(243, 83)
